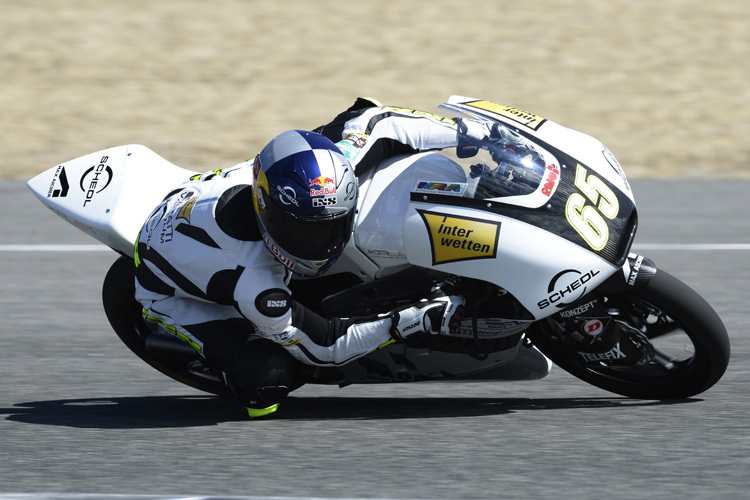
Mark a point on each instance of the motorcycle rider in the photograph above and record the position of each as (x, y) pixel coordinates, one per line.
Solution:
(215, 257)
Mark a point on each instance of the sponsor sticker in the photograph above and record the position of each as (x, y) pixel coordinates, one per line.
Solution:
(613, 354)
(324, 202)
(550, 182)
(61, 179)
(80, 225)
(277, 253)
(593, 327)
(187, 209)
(525, 118)
(352, 145)
(455, 238)
(322, 186)
(635, 270)
(571, 313)
(96, 179)
(287, 195)
(566, 287)
(491, 328)
(446, 188)
(386, 254)
(615, 166)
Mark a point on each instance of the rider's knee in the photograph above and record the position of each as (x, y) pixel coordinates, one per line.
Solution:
(262, 373)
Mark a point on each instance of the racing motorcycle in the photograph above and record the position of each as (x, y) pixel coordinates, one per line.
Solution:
(533, 227)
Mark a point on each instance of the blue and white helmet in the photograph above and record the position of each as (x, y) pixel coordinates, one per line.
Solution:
(305, 200)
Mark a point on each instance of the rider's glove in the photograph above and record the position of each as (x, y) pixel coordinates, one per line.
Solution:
(440, 315)
(470, 134)
(473, 135)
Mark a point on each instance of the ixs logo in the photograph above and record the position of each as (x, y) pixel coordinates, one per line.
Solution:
(323, 202)
(454, 238)
(566, 287)
(96, 179)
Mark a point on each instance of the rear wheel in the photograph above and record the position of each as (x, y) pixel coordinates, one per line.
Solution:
(125, 316)
(690, 341)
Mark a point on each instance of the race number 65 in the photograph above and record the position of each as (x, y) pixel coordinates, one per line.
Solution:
(586, 219)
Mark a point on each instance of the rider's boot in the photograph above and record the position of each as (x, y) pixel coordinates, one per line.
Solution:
(265, 400)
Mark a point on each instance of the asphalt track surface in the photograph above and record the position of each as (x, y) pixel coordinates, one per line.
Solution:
(80, 414)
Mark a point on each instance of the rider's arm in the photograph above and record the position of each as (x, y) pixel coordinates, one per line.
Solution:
(314, 340)
(381, 132)
(262, 297)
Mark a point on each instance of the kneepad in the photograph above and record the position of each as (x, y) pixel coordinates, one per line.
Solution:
(262, 373)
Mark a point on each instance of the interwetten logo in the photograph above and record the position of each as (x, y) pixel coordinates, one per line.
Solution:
(523, 117)
(454, 238)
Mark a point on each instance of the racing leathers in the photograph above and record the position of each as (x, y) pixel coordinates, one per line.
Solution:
(204, 273)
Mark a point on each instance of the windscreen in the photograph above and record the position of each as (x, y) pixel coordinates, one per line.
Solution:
(506, 164)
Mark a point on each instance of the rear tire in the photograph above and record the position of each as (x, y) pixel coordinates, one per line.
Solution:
(672, 308)
(125, 316)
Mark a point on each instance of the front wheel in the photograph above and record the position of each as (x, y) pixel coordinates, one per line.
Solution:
(690, 342)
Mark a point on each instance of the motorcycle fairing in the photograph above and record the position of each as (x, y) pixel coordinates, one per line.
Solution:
(573, 211)
(403, 362)
(585, 183)
(96, 192)
(543, 271)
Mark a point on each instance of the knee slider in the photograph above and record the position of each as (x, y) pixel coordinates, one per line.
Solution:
(262, 373)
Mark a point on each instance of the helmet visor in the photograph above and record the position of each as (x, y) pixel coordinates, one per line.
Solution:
(309, 238)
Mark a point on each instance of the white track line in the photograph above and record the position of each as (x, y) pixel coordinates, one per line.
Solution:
(691, 246)
(54, 248)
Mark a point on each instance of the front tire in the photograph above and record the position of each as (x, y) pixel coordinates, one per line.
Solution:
(125, 316)
(666, 309)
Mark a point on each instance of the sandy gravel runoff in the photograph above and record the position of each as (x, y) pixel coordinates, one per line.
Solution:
(205, 84)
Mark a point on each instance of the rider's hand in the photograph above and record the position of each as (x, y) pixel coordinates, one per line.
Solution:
(471, 134)
(441, 315)
(474, 135)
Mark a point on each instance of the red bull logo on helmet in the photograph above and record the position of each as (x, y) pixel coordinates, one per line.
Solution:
(322, 186)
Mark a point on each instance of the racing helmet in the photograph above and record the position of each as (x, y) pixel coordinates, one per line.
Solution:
(305, 200)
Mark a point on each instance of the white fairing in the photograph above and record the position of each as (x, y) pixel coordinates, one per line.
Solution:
(109, 194)
(385, 201)
(514, 255)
